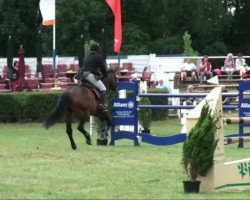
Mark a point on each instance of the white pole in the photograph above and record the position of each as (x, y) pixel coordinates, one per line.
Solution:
(184, 119)
(54, 44)
(92, 125)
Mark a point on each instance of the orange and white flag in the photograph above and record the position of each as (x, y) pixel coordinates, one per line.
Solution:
(48, 11)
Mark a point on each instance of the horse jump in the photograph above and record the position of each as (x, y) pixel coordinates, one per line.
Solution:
(119, 119)
(223, 175)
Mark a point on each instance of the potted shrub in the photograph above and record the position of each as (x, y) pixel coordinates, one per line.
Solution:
(198, 149)
(144, 115)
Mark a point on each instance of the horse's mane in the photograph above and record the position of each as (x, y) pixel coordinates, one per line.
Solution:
(105, 78)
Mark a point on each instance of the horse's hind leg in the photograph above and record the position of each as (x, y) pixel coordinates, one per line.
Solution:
(85, 133)
(69, 130)
(105, 117)
(102, 133)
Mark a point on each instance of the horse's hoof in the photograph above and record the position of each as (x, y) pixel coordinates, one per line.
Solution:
(102, 142)
(74, 147)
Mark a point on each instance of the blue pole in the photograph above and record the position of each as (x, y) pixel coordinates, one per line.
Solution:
(54, 48)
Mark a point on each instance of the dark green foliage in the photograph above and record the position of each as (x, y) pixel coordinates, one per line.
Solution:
(31, 107)
(158, 114)
(26, 107)
(38, 105)
(148, 27)
(10, 108)
(198, 149)
(145, 115)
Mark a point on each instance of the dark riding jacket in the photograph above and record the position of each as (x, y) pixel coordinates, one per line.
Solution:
(94, 64)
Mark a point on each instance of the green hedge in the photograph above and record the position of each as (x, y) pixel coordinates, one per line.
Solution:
(27, 107)
(36, 106)
(159, 114)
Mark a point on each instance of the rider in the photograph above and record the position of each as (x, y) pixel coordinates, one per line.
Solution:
(93, 68)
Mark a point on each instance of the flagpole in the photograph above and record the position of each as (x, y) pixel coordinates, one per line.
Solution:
(54, 48)
(54, 44)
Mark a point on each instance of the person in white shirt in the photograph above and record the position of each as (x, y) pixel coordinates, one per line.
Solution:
(188, 70)
(162, 85)
(242, 66)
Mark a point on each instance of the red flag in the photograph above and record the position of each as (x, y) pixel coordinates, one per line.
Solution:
(115, 6)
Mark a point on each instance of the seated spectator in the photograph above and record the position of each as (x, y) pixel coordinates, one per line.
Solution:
(226, 100)
(242, 66)
(189, 100)
(162, 85)
(188, 70)
(205, 70)
(229, 66)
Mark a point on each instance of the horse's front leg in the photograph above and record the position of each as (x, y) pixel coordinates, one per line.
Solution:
(108, 122)
(69, 131)
(84, 132)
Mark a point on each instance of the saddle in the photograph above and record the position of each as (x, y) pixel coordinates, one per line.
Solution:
(87, 84)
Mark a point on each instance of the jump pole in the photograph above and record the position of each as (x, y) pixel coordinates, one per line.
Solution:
(223, 175)
(232, 140)
(237, 120)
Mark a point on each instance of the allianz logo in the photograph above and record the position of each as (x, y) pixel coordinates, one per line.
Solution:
(130, 104)
(245, 105)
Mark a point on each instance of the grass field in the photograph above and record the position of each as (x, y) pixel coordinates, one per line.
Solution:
(39, 164)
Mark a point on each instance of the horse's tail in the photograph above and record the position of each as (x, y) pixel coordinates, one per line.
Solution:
(58, 111)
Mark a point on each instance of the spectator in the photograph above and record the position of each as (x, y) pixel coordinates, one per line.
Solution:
(226, 100)
(229, 65)
(162, 85)
(188, 70)
(242, 66)
(189, 100)
(205, 69)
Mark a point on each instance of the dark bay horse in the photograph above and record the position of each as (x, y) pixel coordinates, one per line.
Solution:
(82, 101)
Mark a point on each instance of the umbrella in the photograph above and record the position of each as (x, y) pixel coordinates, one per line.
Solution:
(39, 51)
(10, 58)
(81, 52)
(21, 69)
(21, 66)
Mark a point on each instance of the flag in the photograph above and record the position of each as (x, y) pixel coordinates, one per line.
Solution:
(48, 11)
(115, 6)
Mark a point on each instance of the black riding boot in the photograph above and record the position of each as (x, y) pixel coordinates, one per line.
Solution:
(102, 105)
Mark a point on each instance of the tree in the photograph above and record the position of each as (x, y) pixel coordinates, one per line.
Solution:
(187, 45)
(198, 149)
(17, 19)
(210, 24)
(135, 41)
(79, 17)
(148, 27)
(167, 45)
(238, 38)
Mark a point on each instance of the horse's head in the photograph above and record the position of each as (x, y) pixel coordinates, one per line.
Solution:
(111, 80)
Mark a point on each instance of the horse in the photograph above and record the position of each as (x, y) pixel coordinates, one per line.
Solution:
(82, 101)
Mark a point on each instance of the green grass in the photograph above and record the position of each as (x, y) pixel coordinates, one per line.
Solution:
(39, 164)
